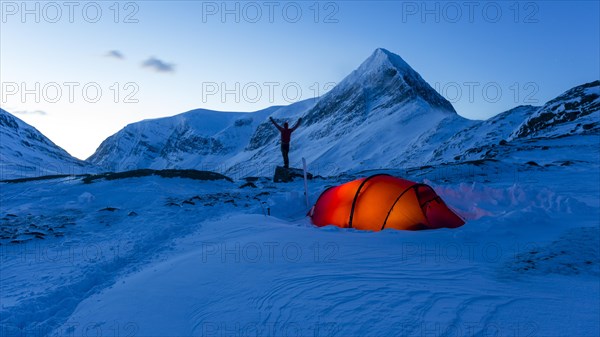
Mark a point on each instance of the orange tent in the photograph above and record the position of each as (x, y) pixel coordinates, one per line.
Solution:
(380, 202)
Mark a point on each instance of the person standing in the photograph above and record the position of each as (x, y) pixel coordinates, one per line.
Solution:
(286, 135)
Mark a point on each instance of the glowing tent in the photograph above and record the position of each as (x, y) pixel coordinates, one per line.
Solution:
(380, 202)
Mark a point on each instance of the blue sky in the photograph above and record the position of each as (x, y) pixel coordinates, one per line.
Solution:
(485, 57)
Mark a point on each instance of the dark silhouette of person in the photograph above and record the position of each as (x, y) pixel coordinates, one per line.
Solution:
(286, 134)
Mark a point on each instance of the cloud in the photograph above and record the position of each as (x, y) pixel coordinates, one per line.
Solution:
(158, 65)
(115, 54)
(31, 112)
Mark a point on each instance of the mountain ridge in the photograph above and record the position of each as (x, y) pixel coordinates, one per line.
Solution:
(450, 137)
(383, 114)
(383, 91)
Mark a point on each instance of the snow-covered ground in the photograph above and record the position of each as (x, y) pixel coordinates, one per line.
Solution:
(158, 256)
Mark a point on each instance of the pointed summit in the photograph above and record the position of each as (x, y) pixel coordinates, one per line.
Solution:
(384, 83)
(382, 57)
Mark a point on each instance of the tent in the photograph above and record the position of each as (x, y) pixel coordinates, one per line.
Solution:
(382, 201)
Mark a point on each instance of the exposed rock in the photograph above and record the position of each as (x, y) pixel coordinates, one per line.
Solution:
(284, 175)
(574, 104)
(168, 173)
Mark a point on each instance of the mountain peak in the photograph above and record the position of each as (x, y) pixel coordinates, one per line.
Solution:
(388, 74)
(395, 59)
(383, 58)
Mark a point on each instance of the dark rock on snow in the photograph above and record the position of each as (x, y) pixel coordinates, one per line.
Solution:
(284, 175)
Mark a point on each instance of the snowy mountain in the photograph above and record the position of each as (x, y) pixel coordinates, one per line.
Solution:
(574, 112)
(476, 141)
(26, 152)
(382, 115)
(194, 139)
(384, 109)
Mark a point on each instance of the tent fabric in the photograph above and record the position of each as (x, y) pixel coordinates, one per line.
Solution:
(380, 202)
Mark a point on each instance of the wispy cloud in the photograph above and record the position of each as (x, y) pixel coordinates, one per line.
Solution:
(115, 54)
(31, 112)
(158, 65)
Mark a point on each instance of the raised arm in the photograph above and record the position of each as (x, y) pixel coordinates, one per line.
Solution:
(275, 123)
(297, 124)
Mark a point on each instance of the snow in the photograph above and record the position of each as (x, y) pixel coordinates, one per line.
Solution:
(575, 111)
(526, 262)
(384, 106)
(201, 139)
(154, 256)
(389, 114)
(25, 152)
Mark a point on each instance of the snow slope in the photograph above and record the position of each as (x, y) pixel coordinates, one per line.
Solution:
(474, 141)
(195, 139)
(26, 152)
(178, 257)
(575, 112)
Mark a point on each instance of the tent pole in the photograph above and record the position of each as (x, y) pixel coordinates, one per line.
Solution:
(305, 182)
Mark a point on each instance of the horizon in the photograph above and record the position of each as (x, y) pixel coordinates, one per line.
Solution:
(244, 71)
